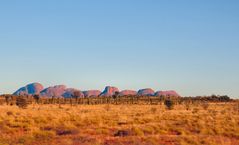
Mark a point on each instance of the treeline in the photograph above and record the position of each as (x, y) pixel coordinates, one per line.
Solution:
(212, 98)
(23, 101)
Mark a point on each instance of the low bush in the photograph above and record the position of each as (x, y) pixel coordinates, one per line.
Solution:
(169, 104)
(44, 135)
(122, 133)
(21, 102)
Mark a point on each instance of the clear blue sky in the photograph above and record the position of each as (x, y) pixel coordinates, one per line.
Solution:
(191, 46)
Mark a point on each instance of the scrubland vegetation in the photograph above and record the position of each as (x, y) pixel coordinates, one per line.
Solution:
(179, 121)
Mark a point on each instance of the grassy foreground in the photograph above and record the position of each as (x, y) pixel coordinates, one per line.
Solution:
(120, 124)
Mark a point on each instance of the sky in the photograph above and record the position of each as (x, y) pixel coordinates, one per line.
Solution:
(188, 46)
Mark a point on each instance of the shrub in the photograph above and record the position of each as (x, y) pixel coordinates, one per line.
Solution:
(205, 105)
(9, 113)
(195, 110)
(44, 135)
(187, 105)
(153, 110)
(26, 139)
(61, 132)
(122, 133)
(169, 104)
(7, 99)
(21, 102)
(137, 131)
(2, 101)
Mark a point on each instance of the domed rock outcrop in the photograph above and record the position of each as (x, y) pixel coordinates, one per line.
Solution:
(127, 92)
(62, 91)
(92, 93)
(167, 93)
(109, 91)
(56, 91)
(69, 92)
(146, 92)
(30, 89)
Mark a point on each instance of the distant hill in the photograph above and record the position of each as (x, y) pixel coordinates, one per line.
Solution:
(63, 91)
(30, 89)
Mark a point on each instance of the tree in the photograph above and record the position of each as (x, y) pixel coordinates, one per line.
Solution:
(76, 95)
(36, 98)
(224, 98)
(53, 99)
(116, 95)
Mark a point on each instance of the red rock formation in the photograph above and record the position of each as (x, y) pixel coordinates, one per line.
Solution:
(92, 93)
(109, 91)
(167, 93)
(62, 91)
(128, 92)
(55, 91)
(30, 89)
(69, 92)
(146, 92)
